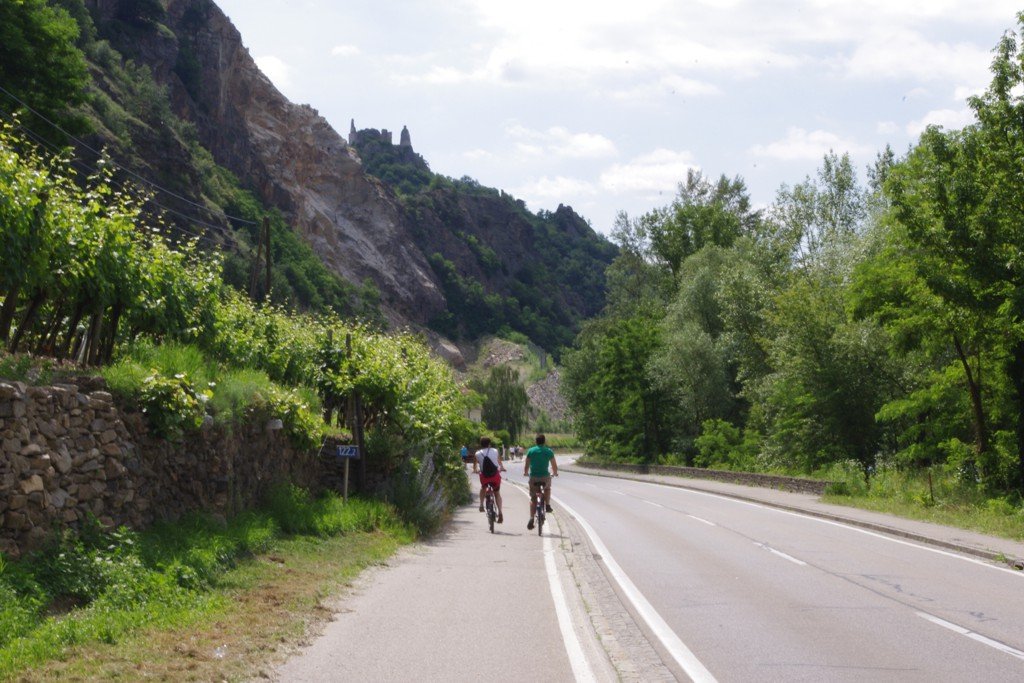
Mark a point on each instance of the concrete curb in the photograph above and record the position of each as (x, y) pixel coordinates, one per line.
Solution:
(1012, 562)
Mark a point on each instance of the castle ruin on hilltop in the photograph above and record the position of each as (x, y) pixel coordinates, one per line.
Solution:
(356, 137)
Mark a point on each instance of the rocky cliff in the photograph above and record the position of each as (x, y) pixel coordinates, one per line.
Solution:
(448, 255)
(288, 154)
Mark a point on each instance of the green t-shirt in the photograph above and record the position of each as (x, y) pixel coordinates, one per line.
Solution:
(540, 458)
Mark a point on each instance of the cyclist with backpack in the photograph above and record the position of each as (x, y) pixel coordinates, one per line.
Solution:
(491, 467)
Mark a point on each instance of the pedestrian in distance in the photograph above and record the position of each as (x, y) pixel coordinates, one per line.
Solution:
(491, 467)
(540, 464)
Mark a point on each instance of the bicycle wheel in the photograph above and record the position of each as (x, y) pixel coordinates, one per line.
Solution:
(540, 514)
(491, 516)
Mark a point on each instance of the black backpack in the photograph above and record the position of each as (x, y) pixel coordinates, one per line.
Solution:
(487, 467)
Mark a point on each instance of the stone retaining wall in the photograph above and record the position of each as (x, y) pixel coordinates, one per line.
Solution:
(66, 455)
(773, 481)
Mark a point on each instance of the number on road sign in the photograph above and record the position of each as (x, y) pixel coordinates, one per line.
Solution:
(348, 452)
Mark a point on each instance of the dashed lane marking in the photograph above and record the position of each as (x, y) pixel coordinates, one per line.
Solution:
(1002, 647)
(781, 554)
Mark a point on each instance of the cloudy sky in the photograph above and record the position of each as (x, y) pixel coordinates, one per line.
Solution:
(605, 105)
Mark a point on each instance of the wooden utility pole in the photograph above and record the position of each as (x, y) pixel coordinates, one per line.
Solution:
(257, 265)
(357, 421)
(266, 239)
(254, 275)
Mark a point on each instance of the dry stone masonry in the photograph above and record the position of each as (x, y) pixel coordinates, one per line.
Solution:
(68, 453)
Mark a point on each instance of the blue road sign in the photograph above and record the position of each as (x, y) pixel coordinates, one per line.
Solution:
(348, 452)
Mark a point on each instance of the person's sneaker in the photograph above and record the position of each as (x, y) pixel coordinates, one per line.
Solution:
(547, 508)
(500, 518)
(529, 525)
(481, 508)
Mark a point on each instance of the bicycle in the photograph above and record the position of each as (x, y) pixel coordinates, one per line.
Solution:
(492, 513)
(539, 506)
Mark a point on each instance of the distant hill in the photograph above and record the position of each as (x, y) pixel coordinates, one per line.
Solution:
(501, 267)
(540, 376)
(363, 228)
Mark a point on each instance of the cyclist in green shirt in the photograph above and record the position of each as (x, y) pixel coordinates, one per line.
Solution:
(536, 467)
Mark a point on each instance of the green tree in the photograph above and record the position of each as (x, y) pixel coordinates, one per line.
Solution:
(692, 363)
(1000, 112)
(505, 401)
(817, 217)
(939, 281)
(40, 65)
(703, 213)
(616, 409)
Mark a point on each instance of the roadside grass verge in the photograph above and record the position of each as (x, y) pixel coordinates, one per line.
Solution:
(189, 600)
(962, 515)
(942, 496)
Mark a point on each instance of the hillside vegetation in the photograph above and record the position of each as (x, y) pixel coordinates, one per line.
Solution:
(502, 268)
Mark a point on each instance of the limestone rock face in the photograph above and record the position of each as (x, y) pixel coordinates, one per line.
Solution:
(289, 155)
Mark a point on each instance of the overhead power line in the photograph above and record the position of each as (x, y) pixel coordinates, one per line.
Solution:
(91, 169)
(120, 166)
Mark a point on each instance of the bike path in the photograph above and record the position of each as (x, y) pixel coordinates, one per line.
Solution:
(994, 548)
(466, 605)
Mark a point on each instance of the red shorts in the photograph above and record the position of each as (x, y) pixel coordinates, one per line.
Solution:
(494, 481)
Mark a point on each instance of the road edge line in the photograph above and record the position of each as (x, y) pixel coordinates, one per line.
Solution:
(671, 642)
(581, 669)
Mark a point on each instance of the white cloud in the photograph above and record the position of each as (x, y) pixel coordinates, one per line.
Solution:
(477, 154)
(901, 53)
(561, 142)
(803, 145)
(275, 69)
(950, 119)
(887, 127)
(528, 150)
(582, 145)
(559, 187)
(661, 170)
(671, 85)
(345, 51)
(962, 92)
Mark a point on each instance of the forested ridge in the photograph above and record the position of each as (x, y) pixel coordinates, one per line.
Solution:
(855, 330)
(503, 269)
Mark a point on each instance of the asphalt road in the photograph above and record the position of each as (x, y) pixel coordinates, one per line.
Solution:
(635, 581)
(755, 593)
(466, 606)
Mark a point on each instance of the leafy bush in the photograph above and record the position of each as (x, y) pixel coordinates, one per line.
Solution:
(172, 405)
(722, 445)
(418, 495)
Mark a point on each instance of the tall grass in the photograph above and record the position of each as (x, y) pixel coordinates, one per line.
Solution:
(99, 586)
(938, 495)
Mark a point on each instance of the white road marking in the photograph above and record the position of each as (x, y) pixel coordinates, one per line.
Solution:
(682, 654)
(581, 670)
(701, 519)
(580, 666)
(781, 554)
(657, 505)
(618, 492)
(1002, 647)
(841, 525)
